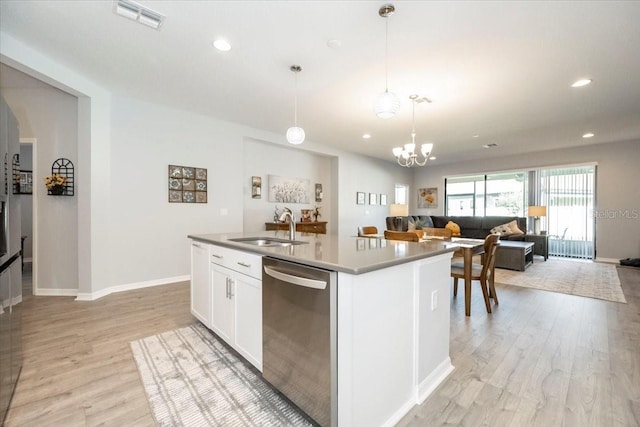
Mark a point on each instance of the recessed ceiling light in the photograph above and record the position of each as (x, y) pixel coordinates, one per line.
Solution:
(475, 136)
(432, 158)
(366, 136)
(588, 135)
(222, 45)
(581, 82)
(492, 145)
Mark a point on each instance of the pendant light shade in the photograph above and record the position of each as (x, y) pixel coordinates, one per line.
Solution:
(295, 134)
(386, 104)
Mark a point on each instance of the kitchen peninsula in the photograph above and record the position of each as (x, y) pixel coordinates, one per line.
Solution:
(389, 340)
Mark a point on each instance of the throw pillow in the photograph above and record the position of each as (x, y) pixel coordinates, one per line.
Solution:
(513, 226)
(455, 228)
(412, 226)
(501, 229)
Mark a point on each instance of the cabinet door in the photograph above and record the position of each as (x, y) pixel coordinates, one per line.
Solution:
(200, 284)
(248, 314)
(222, 316)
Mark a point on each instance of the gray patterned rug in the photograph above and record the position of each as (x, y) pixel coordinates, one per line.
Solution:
(191, 379)
(583, 278)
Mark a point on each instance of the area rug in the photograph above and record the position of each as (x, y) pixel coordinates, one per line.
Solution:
(191, 379)
(587, 279)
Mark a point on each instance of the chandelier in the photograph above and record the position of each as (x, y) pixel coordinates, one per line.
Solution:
(406, 156)
(295, 134)
(387, 103)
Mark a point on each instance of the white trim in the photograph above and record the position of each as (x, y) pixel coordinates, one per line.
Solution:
(34, 217)
(524, 169)
(607, 260)
(434, 379)
(83, 296)
(44, 292)
(399, 414)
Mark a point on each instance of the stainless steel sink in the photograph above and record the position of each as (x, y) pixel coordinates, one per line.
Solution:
(267, 241)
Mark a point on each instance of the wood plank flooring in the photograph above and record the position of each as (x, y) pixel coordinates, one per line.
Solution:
(542, 358)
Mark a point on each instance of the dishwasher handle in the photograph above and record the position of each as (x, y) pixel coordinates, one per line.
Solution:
(295, 280)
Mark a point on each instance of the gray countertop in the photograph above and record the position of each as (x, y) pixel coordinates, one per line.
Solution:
(354, 255)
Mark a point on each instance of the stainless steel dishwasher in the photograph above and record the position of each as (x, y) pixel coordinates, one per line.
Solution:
(299, 340)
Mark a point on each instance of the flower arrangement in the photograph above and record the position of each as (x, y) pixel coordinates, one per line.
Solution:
(55, 183)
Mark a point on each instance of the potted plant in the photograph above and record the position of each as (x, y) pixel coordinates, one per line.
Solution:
(419, 225)
(55, 183)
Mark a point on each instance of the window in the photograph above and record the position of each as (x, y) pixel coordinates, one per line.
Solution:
(480, 195)
(402, 194)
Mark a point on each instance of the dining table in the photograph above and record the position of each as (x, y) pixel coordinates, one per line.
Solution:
(467, 248)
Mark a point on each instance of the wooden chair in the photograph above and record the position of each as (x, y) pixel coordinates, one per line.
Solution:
(367, 229)
(440, 232)
(407, 236)
(483, 273)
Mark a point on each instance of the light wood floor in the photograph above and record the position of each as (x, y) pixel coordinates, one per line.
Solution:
(541, 359)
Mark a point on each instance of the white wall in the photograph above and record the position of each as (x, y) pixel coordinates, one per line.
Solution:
(50, 115)
(617, 235)
(263, 159)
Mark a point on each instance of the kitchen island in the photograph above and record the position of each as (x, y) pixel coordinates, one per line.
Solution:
(389, 342)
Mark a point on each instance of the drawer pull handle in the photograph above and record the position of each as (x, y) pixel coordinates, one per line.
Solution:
(244, 264)
(217, 256)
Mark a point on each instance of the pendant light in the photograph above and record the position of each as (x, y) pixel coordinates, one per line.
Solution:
(406, 156)
(387, 103)
(295, 134)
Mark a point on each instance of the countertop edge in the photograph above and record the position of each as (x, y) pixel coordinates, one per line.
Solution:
(323, 264)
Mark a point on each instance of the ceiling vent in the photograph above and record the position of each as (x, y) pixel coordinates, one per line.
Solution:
(144, 15)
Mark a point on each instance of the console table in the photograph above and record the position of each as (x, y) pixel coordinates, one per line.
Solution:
(514, 255)
(319, 227)
(542, 244)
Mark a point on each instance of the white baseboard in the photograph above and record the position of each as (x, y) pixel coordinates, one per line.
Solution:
(608, 260)
(83, 296)
(433, 380)
(44, 292)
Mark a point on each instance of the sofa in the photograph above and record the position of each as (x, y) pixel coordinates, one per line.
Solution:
(476, 227)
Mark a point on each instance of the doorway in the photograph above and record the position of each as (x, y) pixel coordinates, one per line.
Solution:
(27, 214)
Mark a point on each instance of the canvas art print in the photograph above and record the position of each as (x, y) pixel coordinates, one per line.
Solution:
(288, 190)
(187, 184)
(427, 198)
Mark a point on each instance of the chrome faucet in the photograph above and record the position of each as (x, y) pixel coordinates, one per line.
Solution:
(292, 222)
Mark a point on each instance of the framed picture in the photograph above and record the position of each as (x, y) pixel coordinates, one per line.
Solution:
(288, 190)
(319, 192)
(383, 200)
(26, 182)
(360, 198)
(427, 198)
(373, 199)
(256, 187)
(187, 184)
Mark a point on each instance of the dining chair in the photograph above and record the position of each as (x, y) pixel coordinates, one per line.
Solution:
(439, 232)
(367, 229)
(481, 272)
(407, 236)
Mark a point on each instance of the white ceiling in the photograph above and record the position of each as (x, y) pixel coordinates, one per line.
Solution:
(500, 70)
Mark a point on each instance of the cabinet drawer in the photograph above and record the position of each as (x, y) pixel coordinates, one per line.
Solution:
(247, 263)
(243, 262)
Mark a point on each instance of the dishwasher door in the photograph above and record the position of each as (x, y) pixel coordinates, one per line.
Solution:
(299, 336)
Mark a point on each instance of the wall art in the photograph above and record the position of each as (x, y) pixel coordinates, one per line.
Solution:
(256, 187)
(383, 200)
(187, 184)
(319, 194)
(427, 198)
(288, 190)
(360, 198)
(373, 198)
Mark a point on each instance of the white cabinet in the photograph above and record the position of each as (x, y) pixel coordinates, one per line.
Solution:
(200, 282)
(236, 301)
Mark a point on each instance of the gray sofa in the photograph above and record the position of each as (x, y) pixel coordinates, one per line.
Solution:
(477, 227)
